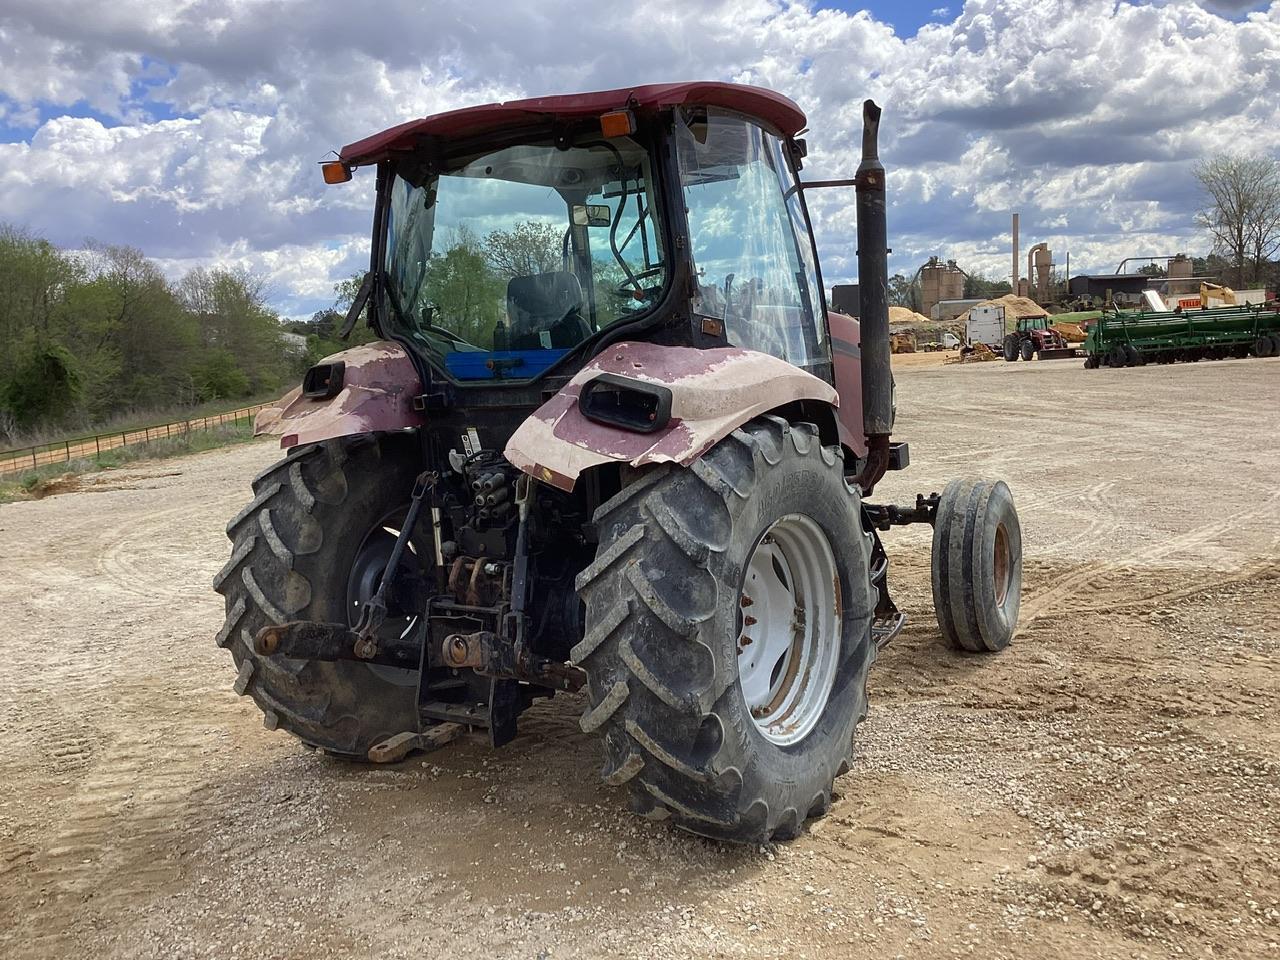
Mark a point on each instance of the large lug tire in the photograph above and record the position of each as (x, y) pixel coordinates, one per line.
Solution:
(1010, 348)
(1117, 356)
(293, 557)
(665, 619)
(1263, 346)
(977, 565)
(1027, 350)
(1134, 356)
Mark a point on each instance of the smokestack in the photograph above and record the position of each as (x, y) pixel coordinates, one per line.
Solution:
(1016, 278)
(873, 276)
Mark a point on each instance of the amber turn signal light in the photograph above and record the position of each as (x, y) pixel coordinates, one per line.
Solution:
(335, 171)
(619, 123)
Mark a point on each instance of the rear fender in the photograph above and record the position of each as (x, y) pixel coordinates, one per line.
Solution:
(378, 385)
(846, 356)
(713, 392)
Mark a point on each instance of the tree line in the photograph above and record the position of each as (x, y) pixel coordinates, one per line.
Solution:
(91, 333)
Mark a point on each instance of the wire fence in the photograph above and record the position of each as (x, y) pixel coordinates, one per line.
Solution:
(64, 451)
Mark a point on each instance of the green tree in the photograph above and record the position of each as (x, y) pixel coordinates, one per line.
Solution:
(533, 246)
(904, 292)
(465, 294)
(219, 377)
(136, 344)
(979, 286)
(231, 313)
(44, 384)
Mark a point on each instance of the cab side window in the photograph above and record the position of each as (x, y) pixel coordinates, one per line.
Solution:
(750, 247)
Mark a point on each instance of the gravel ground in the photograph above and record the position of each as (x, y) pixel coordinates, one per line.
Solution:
(1107, 787)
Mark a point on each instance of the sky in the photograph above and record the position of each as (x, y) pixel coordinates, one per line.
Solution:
(192, 129)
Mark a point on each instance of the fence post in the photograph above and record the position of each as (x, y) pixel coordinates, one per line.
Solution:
(67, 444)
(34, 462)
(97, 446)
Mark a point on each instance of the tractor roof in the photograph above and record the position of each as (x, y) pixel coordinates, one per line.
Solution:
(757, 102)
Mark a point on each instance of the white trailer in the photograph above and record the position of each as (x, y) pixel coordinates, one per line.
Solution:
(985, 325)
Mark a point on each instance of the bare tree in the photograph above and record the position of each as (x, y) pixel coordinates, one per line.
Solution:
(1243, 211)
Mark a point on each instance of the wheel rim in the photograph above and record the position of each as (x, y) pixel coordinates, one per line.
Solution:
(1003, 565)
(366, 572)
(789, 629)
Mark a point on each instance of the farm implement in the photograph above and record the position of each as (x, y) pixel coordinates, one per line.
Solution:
(1130, 338)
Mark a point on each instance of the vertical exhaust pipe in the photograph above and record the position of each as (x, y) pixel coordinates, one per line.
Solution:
(873, 281)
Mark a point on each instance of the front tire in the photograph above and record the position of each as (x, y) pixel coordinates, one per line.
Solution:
(668, 617)
(977, 565)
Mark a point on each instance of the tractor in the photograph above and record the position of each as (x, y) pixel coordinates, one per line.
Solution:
(608, 442)
(1035, 337)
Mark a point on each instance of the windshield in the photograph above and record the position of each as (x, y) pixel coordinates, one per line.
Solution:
(503, 264)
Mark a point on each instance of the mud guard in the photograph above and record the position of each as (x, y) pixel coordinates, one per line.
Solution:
(373, 390)
(713, 392)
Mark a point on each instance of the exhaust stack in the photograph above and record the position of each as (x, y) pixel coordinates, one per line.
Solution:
(873, 279)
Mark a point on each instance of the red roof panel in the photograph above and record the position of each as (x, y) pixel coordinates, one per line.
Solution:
(771, 107)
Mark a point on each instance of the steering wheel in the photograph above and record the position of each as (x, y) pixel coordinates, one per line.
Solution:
(629, 287)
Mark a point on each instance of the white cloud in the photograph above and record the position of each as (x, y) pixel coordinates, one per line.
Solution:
(1085, 115)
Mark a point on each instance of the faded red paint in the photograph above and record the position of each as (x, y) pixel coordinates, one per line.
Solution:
(713, 392)
(378, 387)
(476, 121)
(846, 355)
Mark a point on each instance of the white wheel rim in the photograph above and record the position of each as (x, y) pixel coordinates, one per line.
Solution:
(789, 629)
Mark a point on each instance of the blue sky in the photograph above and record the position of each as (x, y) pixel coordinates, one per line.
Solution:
(192, 130)
(907, 16)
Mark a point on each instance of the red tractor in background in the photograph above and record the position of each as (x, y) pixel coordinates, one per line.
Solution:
(609, 437)
(1034, 337)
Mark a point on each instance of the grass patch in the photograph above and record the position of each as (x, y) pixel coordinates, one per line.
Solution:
(127, 422)
(58, 477)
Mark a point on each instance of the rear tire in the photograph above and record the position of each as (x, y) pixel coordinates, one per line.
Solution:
(1028, 350)
(1011, 348)
(293, 550)
(665, 620)
(977, 565)
(1263, 346)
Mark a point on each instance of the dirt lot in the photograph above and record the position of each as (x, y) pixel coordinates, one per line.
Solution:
(1107, 787)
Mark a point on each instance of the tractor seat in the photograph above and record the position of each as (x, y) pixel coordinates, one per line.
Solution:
(544, 311)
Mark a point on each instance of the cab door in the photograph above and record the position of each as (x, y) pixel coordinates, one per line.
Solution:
(749, 240)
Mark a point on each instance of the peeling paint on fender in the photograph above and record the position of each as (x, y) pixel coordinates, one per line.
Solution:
(712, 393)
(846, 358)
(378, 387)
